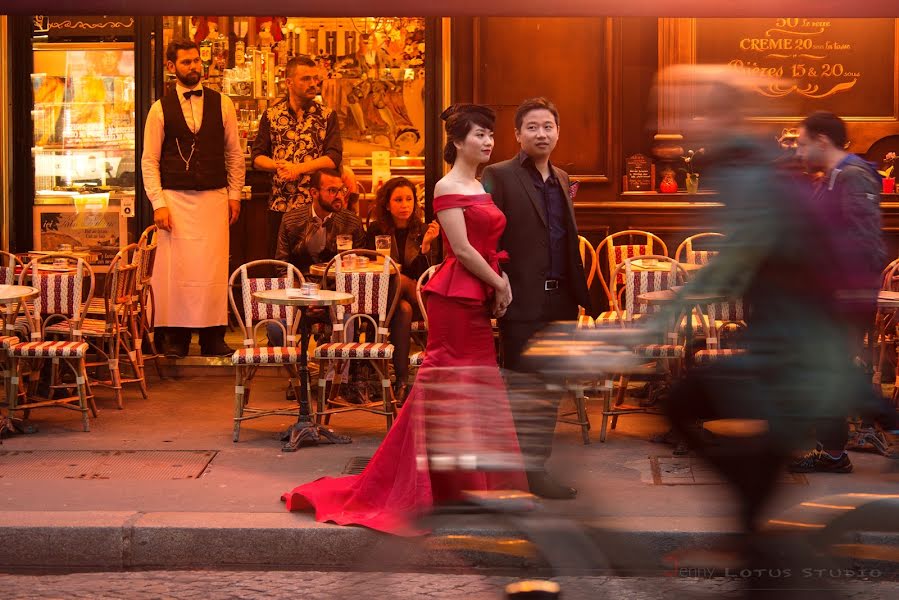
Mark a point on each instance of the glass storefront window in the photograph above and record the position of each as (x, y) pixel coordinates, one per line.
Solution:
(372, 74)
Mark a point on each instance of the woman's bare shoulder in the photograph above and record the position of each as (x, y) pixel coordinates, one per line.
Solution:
(449, 185)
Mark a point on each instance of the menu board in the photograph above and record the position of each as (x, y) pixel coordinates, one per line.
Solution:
(638, 173)
(847, 66)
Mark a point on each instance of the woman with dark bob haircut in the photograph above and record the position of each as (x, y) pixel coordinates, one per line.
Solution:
(415, 247)
(459, 374)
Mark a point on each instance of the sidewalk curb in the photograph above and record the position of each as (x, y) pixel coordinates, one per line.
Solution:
(112, 541)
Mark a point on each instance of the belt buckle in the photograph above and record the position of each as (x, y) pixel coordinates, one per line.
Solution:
(551, 284)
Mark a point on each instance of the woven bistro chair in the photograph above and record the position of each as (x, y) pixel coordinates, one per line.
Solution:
(613, 255)
(115, 334)
(670, 351)
(145, 258)
(421, 337)
(253, 317)
(587, 252)
(61, 297)
(687, 253)
(375, 298)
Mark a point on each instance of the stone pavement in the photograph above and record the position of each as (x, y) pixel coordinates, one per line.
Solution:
(231, 516)
(315, 585)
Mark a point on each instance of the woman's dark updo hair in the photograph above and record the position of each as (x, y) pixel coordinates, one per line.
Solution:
(459, 120)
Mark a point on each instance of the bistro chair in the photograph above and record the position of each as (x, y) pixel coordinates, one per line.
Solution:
(421, 336)
(886, 331)
(61, 297)
(670, 351)
(115, 334)
(145, 257)
(587, 252)
(686, 253)
(253, 317)
(613, 254)
(375, 297)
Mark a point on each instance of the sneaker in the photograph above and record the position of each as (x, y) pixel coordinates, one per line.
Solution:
(818, 461)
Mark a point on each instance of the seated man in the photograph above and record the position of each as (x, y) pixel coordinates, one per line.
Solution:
(308, 233)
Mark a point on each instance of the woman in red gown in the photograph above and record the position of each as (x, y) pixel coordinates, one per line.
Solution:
(459, 383)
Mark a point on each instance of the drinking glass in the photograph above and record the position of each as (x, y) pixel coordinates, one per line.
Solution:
(382, 244)
(345, 242)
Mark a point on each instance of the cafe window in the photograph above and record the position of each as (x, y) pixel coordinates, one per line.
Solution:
(372, 73)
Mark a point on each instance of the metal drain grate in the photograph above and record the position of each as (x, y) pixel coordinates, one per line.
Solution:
(356, 465)
(686, 470)
(104, 464)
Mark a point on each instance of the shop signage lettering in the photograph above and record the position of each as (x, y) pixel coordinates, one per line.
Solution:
(844, 65)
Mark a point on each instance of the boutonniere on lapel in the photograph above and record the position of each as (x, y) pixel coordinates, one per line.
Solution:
(572, 188)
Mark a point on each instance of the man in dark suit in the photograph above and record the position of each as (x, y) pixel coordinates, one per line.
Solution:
(544, 268)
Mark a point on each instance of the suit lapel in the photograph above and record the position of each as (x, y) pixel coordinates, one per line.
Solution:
(525, 178)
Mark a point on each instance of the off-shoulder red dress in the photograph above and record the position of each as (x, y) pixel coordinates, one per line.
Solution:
(459, 380)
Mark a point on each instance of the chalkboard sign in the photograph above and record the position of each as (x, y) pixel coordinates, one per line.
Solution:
(847, 66)
(85, 26)
(638, 176)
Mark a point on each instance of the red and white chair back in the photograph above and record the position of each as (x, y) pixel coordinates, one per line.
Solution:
(641, 281)
(639, 243)
(145, 257)
(373, 300)
(255, 314)
(687, 253)
(61, 295)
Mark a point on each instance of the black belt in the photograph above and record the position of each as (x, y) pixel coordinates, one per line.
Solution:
(552, 284)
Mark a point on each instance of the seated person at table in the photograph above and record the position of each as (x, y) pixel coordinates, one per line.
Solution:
(308, 233)
(415, 247)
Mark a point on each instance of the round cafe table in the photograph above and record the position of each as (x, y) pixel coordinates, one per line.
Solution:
(305, 430)
(640, 264)
(8, 295)
(668, 296)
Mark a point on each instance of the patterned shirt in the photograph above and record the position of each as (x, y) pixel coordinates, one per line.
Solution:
(284, 135)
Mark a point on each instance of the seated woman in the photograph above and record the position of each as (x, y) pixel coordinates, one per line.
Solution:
(415, 247)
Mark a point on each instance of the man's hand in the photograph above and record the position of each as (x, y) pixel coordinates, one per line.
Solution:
(233, 211)
(290, 171)
(163, 218)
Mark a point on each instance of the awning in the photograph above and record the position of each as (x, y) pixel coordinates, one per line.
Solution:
(446, 8)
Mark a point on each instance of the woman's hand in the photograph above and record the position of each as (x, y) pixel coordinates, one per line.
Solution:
(431, 234)
(503, 297)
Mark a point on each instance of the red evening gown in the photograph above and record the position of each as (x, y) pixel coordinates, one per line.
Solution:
(458, 383)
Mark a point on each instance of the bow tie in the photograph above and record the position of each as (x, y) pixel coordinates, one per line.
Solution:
(190, 93)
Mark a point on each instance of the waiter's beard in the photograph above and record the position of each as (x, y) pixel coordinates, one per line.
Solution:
(189, 80)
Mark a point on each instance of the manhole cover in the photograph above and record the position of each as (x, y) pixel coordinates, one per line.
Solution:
(104, 464)
(686, 470)
(356, 465)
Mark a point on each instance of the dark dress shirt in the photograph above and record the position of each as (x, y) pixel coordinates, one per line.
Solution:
(553, 197)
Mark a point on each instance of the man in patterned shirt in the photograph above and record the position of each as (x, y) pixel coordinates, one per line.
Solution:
(297, 137)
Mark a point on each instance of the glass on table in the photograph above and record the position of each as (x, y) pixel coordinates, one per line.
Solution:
(382, 244)
(344, 242)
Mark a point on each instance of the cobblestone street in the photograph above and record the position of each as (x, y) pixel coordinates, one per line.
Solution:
(311, 585)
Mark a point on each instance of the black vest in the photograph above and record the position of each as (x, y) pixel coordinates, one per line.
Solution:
(205, 169)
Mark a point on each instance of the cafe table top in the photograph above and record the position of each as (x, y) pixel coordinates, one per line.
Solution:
(639, 264)
(321, 298)
(668, 296)
(886, 299)
(12, 293)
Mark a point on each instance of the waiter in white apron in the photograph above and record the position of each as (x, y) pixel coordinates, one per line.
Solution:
(193, 172)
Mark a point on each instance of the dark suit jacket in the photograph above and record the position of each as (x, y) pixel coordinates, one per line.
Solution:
(526, 239)
(294, 229)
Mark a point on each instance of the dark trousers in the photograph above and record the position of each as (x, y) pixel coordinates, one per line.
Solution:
(274, 225)
(535, 419)
(180, 336)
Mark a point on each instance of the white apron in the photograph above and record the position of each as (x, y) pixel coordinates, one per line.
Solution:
(190, 276)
